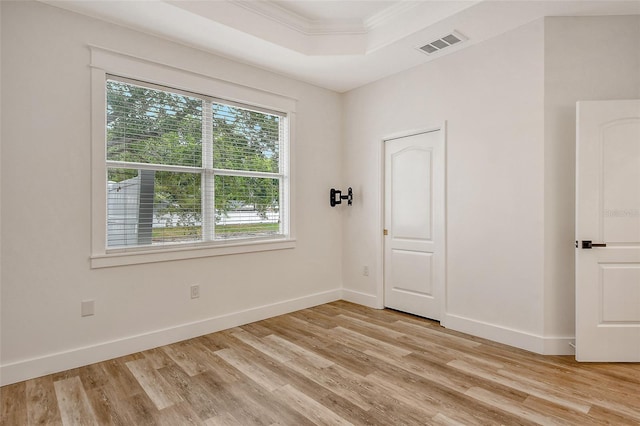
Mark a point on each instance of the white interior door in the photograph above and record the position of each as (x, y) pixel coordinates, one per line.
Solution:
(608, 216)
(414, 224)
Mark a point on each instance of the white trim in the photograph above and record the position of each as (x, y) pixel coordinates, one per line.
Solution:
(559, 346)
(302, 24)
(61, 361)
(369, 300)
(248, 173)
(386, 15)
(315, 27)
(155, 167)
(380, 239)
(509, 336)
(381, 225)
(289, 182)
(190, 251)
(98, 164)
(207, 182)
(445, 234)
(149, 71)
(106, 62)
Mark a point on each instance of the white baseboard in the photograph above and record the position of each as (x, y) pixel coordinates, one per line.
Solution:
(364, 299)
(559, 346)
(517, 338)
(61, 361)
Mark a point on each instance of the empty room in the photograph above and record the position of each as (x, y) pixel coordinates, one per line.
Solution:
(298, 212)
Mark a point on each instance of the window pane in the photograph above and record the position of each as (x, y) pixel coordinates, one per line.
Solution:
(153, 126)
(246, 207)
(169, 132)
(146, 207)
(245, 140)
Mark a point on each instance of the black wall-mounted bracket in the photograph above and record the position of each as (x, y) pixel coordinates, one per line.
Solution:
(336, 197)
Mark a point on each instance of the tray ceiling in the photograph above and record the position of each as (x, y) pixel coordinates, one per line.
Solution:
(339, 45)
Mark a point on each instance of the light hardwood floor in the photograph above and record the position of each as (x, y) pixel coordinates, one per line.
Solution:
(334, 364)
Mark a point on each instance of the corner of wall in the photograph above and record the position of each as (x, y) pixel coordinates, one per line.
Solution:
(540, 344)
(77, 357)
(585, 58)
(360, 298)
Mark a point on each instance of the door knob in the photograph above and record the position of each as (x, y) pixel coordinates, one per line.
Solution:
(587, 244)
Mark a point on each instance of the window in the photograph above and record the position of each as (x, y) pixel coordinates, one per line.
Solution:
(185, 165)
(185, 168)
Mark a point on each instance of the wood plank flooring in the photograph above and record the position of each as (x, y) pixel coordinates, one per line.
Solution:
(335, 364)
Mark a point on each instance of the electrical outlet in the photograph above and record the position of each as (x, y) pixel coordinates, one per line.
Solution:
(87, 308)
(365, 271)
(195, 291)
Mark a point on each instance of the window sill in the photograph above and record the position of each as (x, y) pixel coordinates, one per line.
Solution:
(125, 258)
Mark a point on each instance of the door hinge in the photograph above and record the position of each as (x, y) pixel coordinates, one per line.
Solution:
(385, 232)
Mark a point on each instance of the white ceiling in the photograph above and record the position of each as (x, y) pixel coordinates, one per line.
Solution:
(339, 45)
(337, 10)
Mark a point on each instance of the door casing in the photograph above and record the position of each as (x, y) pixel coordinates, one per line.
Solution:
(442, 128)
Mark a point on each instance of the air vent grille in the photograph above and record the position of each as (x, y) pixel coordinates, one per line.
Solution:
(442, 43)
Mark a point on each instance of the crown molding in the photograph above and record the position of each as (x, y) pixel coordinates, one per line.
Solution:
(384, 16)
(299, 23)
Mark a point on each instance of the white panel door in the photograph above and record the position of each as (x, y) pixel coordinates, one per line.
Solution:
(414, 224)
(608, 221)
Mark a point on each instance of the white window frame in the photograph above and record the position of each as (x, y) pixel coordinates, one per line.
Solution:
(106, 62)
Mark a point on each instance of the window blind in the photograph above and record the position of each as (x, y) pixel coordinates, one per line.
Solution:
(187, 168)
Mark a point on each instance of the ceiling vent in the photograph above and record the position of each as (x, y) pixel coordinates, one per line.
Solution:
(442, 43)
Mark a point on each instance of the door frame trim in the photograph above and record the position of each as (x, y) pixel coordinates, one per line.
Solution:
(442, 128)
